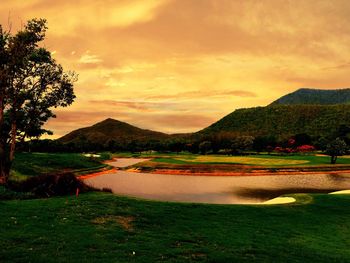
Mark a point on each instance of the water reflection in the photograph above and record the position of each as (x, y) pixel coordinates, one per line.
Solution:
(216, 189)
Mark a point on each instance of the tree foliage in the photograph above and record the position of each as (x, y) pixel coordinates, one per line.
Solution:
(336, 148)
(32, 83)
(242, 143)
(205, 147)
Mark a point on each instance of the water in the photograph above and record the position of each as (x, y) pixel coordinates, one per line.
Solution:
(214, 189)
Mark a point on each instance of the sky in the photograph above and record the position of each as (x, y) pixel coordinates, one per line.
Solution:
(179, 65)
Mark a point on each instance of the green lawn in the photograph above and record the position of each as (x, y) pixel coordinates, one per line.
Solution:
(31, 164)
(106, 228)
(151, 154)
(259, 160)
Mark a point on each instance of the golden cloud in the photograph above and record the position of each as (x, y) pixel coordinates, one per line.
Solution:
(145, 60)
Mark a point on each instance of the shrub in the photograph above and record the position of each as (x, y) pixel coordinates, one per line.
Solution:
(305, 148)
(51, 185)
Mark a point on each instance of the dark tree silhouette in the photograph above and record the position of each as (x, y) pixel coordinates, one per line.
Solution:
(205, 147)
(336, 148)
(31, 85)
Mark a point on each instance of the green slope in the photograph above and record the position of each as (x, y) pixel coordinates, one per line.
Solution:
(284, 120)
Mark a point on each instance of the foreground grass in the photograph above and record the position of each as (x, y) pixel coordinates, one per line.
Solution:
(32, 164)
(106, 228)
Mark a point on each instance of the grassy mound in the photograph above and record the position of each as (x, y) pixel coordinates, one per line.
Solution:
(34, 164)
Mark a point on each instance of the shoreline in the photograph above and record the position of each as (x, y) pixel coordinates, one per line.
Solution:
(248, 173)
(214, 169)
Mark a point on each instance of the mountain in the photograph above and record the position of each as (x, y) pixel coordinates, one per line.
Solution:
(315, 96)
(315, 112)
(109, 130)
(283, 121)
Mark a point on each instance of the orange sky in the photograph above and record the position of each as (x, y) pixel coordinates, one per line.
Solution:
(180, 65)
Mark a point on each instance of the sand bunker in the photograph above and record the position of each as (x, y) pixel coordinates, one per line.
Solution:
(92, 155)
(280, 200)
(342, 192)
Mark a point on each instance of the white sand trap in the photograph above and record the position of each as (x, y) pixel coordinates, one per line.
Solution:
(342, 192)
(92, 155)
(279, 201)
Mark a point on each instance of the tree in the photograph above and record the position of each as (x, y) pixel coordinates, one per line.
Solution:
(205, 147)
(321, 143)
(336, 148)
(242, 143)
(262, 143)
(134, 146)
(302, 139)
(176, 145)
(31, 85)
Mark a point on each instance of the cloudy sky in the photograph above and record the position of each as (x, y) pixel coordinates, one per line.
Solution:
(179, 65)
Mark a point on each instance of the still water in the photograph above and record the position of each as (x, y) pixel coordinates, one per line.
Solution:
(214, 189)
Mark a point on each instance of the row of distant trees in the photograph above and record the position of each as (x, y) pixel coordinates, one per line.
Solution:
(221, 143)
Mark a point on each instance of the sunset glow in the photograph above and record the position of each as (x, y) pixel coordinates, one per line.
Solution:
(178, 66)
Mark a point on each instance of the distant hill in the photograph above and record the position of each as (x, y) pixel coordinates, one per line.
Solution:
(315, 96)
(315, 112)
(284, 120)
(109, 130)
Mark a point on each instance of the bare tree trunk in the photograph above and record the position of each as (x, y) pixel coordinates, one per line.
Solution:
(4, 171)
(1, 111)
(5, 164)
(333, 159)
(13, 141)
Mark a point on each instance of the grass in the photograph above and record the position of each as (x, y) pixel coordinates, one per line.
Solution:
(106, 228)
(101, 227)
(150, 154)
(32, 164)
(257, 160)
(7, 194)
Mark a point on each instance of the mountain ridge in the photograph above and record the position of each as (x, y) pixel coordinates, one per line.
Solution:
(315, 96)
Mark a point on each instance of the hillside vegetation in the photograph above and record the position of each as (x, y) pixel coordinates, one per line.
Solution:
(110, 129)
(315, 96)
(284, 120)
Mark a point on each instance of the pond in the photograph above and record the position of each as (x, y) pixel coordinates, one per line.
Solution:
(214, 189)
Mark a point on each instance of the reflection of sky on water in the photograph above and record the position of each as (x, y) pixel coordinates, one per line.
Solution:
(217, 189)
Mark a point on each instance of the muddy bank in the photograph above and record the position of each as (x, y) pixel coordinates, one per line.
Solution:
(234, 169)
